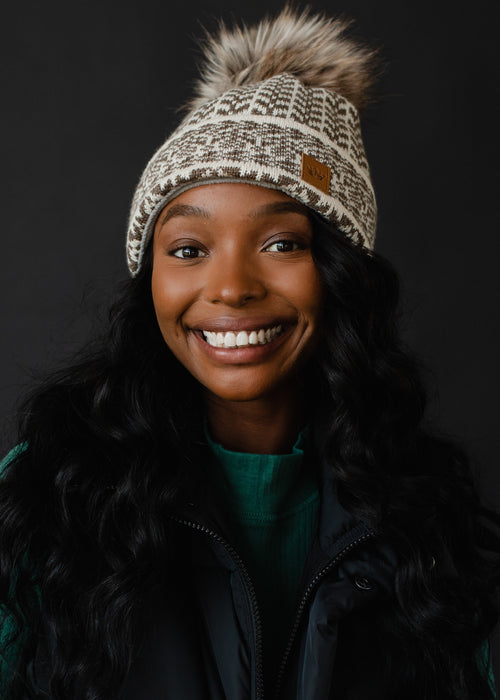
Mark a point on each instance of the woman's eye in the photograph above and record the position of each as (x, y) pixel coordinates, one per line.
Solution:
(284, 246)
(188, 252)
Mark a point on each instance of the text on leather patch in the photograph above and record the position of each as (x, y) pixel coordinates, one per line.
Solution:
(316, 173)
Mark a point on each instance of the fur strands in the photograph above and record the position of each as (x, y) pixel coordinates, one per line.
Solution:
(312, 47)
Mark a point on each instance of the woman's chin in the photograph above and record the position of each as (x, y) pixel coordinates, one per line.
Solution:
(243, 389)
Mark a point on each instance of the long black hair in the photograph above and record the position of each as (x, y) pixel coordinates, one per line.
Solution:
(109, 445)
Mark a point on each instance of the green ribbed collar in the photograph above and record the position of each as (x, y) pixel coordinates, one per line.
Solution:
(263, 487)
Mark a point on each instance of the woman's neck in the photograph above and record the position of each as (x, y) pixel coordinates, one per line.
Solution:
(267, 425)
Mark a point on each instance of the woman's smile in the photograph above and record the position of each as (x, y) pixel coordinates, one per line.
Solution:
(243, 347)
(242, 339)
(237, 295)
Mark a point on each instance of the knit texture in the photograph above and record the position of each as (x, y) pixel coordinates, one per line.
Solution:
(259, 134)
(272, 502)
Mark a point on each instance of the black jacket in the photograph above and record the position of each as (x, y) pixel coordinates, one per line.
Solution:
(203, 636)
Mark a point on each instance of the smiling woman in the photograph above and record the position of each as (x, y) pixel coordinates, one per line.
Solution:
(234, 496)
(238, 298)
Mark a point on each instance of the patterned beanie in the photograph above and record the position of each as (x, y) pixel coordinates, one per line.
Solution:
(276, 106)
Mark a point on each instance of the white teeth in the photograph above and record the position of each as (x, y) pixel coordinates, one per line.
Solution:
(241, 339)
(229, 340)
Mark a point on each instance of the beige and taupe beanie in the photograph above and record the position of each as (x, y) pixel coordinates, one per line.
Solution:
(276, 105)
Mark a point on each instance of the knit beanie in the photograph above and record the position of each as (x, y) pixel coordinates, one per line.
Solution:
(276, 105)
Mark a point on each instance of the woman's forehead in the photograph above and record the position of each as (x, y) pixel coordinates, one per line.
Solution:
(217, 199)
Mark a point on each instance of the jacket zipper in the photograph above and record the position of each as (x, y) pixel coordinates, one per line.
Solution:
(302, 605)
(259, 680)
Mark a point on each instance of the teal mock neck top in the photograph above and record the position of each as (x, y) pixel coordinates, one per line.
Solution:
(272, 502)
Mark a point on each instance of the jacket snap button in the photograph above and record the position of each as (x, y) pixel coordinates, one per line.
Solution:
(362, 583)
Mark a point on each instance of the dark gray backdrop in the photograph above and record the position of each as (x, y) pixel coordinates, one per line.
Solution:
(91, 89)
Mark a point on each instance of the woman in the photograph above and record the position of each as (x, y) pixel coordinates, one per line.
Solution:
(233, 494)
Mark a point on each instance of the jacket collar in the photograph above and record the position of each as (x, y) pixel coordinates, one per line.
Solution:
(338, 530)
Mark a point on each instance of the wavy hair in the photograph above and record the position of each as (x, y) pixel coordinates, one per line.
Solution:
(111, 443)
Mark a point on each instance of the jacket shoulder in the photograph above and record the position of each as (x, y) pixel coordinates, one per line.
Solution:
(11, 456)
(11, 644)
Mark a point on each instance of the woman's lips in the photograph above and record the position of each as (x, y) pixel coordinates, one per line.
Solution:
(225, 324)
(236, 349)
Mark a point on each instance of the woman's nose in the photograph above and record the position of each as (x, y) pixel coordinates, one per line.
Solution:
(233, 281)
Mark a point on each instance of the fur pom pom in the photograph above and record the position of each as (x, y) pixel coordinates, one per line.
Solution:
(312, 47)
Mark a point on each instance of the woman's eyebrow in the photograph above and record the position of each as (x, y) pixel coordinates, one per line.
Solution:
(184, 210)
(279, 208)
(264, 210)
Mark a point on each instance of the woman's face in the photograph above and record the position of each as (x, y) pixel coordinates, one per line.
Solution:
(237, 295)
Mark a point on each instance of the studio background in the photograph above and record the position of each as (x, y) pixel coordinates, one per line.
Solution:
(91, 89)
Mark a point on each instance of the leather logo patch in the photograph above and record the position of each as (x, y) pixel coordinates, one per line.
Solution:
(316, 173)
